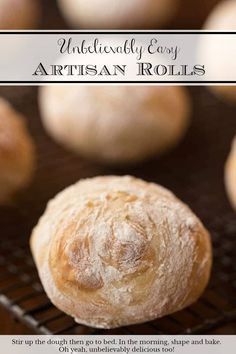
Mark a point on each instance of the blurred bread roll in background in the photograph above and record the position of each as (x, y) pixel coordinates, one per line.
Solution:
(17, 155)
(19, 14)
(230, 175)
(223, 18)
(114, 251)
(115, 124)
(117, 14)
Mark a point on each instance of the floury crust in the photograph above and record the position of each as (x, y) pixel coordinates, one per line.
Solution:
(115, 70)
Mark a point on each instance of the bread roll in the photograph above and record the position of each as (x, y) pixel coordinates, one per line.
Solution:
(117, 13)
(230, 175)
(222, 18)
(115, 124)
(19, 14)
(16, 152)
(114, 251)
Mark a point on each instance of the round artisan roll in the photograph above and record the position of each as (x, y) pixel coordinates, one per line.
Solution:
(222, 18)
(117, 14)
(16, 152)
(114, 251)
(115, 124)
(19, 14)
(230, 175)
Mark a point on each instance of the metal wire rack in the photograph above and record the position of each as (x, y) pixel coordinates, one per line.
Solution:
(194, 171)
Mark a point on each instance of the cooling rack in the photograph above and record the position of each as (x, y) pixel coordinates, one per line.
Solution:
(23, 295)
(194, 171)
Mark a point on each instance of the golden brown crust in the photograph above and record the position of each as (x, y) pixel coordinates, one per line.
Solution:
(117, 14)
(16, 152)
(115, 124)
(19, 14)
(113, 251)
(230, 175)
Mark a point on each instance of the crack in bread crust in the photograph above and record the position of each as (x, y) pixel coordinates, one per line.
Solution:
(113, 251)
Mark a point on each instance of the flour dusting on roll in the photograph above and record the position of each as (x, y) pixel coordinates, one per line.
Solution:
(114, 251)
(116, 124)
(118, 14)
